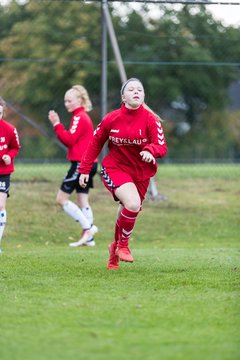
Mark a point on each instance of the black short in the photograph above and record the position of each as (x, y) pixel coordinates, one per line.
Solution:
(71, 180)
(5, 184)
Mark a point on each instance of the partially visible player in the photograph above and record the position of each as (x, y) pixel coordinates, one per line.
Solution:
(76, 139)
(135, 139)
(9, 148)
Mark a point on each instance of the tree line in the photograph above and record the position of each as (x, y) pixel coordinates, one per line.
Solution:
(186, 60)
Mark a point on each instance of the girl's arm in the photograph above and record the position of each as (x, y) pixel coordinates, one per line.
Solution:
(157, 146)
(101, 135)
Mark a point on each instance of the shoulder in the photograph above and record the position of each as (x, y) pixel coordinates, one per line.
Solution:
(81, 116)
(112, 115)
(151, 117)
(7, 125)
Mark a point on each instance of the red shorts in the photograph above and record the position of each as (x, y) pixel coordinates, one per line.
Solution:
(113, 179)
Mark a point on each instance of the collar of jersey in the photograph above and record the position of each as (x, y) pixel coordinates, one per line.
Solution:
(131, 111)
(78, 110)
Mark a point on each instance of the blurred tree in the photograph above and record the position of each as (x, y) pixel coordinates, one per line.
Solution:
(177, 42)
(51, 45)
(46, 46)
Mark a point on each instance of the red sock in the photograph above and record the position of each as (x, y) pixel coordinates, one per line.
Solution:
(126, 222)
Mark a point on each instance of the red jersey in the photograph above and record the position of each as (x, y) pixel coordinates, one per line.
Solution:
(128, 133)
(78, 136)
(9, 145)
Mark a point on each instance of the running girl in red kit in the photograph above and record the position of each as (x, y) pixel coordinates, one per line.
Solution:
(135, 139)
(76, 139)
(9, 148)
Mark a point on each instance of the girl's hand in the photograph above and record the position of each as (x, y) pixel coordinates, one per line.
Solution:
(53, 117)
(147, 157)
(83, 180)
(6, 159)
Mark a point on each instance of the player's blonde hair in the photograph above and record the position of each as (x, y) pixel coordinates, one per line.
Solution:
(83, 95)
(3, 103)
(144, 104)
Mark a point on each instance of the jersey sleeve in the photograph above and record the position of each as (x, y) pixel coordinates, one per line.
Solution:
(157, 146)
(14, 144)
(71, 136)
(101, 135)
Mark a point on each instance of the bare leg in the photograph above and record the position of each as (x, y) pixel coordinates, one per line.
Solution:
(77, 214)
(62, 197)
(82, 200)
(129, 196)
(72, 209)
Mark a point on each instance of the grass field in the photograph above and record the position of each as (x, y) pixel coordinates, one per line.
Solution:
(179, 300)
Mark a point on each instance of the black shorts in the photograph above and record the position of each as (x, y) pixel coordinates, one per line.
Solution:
(71, 180)
(5, 184)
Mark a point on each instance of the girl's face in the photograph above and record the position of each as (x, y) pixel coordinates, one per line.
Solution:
(71, 100)
(133, 94)
(1, 111)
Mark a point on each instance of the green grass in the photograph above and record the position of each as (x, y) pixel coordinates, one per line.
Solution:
(179, 300)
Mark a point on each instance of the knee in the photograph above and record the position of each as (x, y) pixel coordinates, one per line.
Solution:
(133, 205)
(60, 201)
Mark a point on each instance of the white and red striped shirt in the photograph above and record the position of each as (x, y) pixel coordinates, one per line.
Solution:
(128, 132)
(9, 145)
(80, 132)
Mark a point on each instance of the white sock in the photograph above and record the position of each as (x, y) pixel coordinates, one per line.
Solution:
(3, 220)
(87, 211)
(73, 210)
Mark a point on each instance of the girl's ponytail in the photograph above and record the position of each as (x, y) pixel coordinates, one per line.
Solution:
(83, 94)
